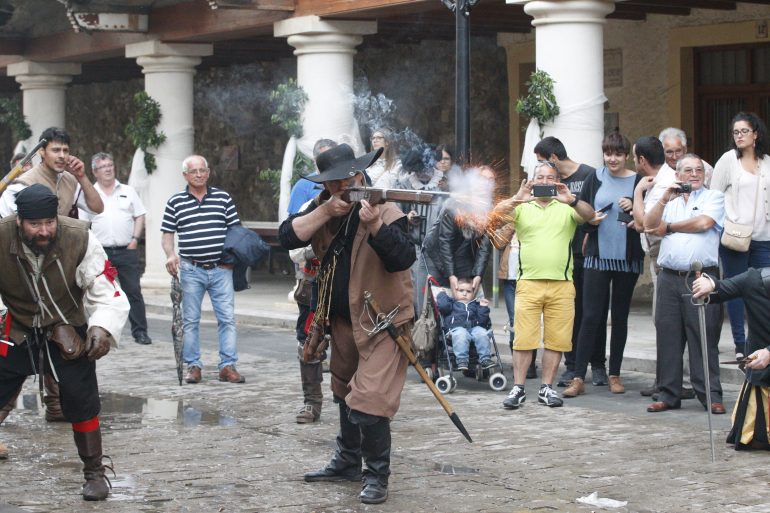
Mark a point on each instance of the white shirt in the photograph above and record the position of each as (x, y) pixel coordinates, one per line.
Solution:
(105, 302)
(665, 177)
(8, 199)
(115, 225)
(679, 250)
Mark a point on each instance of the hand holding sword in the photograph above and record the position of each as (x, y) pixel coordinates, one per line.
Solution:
(384, 322)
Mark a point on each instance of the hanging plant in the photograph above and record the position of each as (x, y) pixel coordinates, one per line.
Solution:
(143, 129)
(540, 102)
(12, 117)
(288, 101)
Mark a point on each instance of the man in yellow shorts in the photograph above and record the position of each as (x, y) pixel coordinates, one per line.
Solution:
(545, 215)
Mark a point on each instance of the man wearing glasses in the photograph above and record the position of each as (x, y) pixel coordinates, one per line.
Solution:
(689, 217)
(118, 228)
(573, 175)
(544, 219)
(200, 216)
(675, 147)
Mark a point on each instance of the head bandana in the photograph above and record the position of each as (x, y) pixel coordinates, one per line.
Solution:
(37, 202)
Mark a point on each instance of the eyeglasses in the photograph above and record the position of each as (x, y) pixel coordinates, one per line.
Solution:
(378, 138)
(693, 171)
(201, 171)
(674, 153)
(742, 131)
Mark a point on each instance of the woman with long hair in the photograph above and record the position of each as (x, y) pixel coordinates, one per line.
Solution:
(743, 174)
(385, 172)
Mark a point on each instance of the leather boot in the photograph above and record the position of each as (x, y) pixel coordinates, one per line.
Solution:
(375, 448)
(312, 376)
(345, 465)
(51, 400)
(97, 485)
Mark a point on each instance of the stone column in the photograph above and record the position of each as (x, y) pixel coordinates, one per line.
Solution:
(43, 86)
(168, 78)
(569, 45)
(325, 51)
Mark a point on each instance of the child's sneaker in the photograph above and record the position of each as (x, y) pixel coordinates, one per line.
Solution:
(488, 363)
(516, 398)
(462, 365)
(549, 397)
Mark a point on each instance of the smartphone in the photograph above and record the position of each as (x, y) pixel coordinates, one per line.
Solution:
(540, 191)
(625, 217)
(605, 208)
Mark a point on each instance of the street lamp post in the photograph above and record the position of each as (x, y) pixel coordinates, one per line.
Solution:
(462, 10)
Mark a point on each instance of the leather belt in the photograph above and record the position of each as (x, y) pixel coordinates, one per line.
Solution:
(114, 248)
(203, 265)
(714, 271)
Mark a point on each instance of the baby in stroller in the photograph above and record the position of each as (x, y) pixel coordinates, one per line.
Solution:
(466, 319)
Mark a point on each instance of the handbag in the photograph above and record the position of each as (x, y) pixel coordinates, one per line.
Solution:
(424, 329)
(737, 236)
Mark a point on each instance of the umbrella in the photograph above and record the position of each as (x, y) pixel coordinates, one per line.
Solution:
(176, 325)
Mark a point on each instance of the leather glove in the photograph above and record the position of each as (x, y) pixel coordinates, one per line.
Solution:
(97, 343)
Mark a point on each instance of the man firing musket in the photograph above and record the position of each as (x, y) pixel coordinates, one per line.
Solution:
(362, 246)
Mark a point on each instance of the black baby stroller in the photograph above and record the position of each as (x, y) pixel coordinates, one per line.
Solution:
(445, 362)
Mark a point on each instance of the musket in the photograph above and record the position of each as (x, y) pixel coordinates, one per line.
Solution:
(378, 196)
(386, 322)
(14, 173)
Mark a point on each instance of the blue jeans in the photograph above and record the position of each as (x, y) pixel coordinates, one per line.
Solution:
(461, 338)
(218, 282)
(734, 263)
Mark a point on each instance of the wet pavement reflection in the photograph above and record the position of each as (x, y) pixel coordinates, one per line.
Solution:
(123, 409)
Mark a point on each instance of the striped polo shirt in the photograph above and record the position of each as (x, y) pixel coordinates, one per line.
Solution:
(201, 225)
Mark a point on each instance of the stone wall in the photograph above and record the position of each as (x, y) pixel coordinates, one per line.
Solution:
(641, 101)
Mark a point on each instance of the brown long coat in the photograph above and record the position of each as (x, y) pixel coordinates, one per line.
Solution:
(368, 372)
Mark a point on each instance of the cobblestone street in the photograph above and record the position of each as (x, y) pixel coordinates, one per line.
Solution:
(218, 447)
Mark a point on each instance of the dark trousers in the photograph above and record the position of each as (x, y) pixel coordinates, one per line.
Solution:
(78, 387)
(676, 323)
(600, 347)
(126, 261)
(598, 287)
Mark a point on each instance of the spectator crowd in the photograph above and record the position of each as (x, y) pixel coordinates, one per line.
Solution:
(574, 241)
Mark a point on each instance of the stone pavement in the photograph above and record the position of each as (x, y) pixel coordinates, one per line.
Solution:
(218, 447)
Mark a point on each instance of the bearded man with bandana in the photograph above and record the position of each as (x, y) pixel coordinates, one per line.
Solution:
(65, 310)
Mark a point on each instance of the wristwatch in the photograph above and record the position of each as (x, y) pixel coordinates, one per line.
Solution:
(575, 201)
(668, 228)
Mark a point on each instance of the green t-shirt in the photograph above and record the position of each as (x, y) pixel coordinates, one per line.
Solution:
(545, 234)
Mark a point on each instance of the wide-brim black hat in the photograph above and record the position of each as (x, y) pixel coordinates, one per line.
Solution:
(340, 163)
